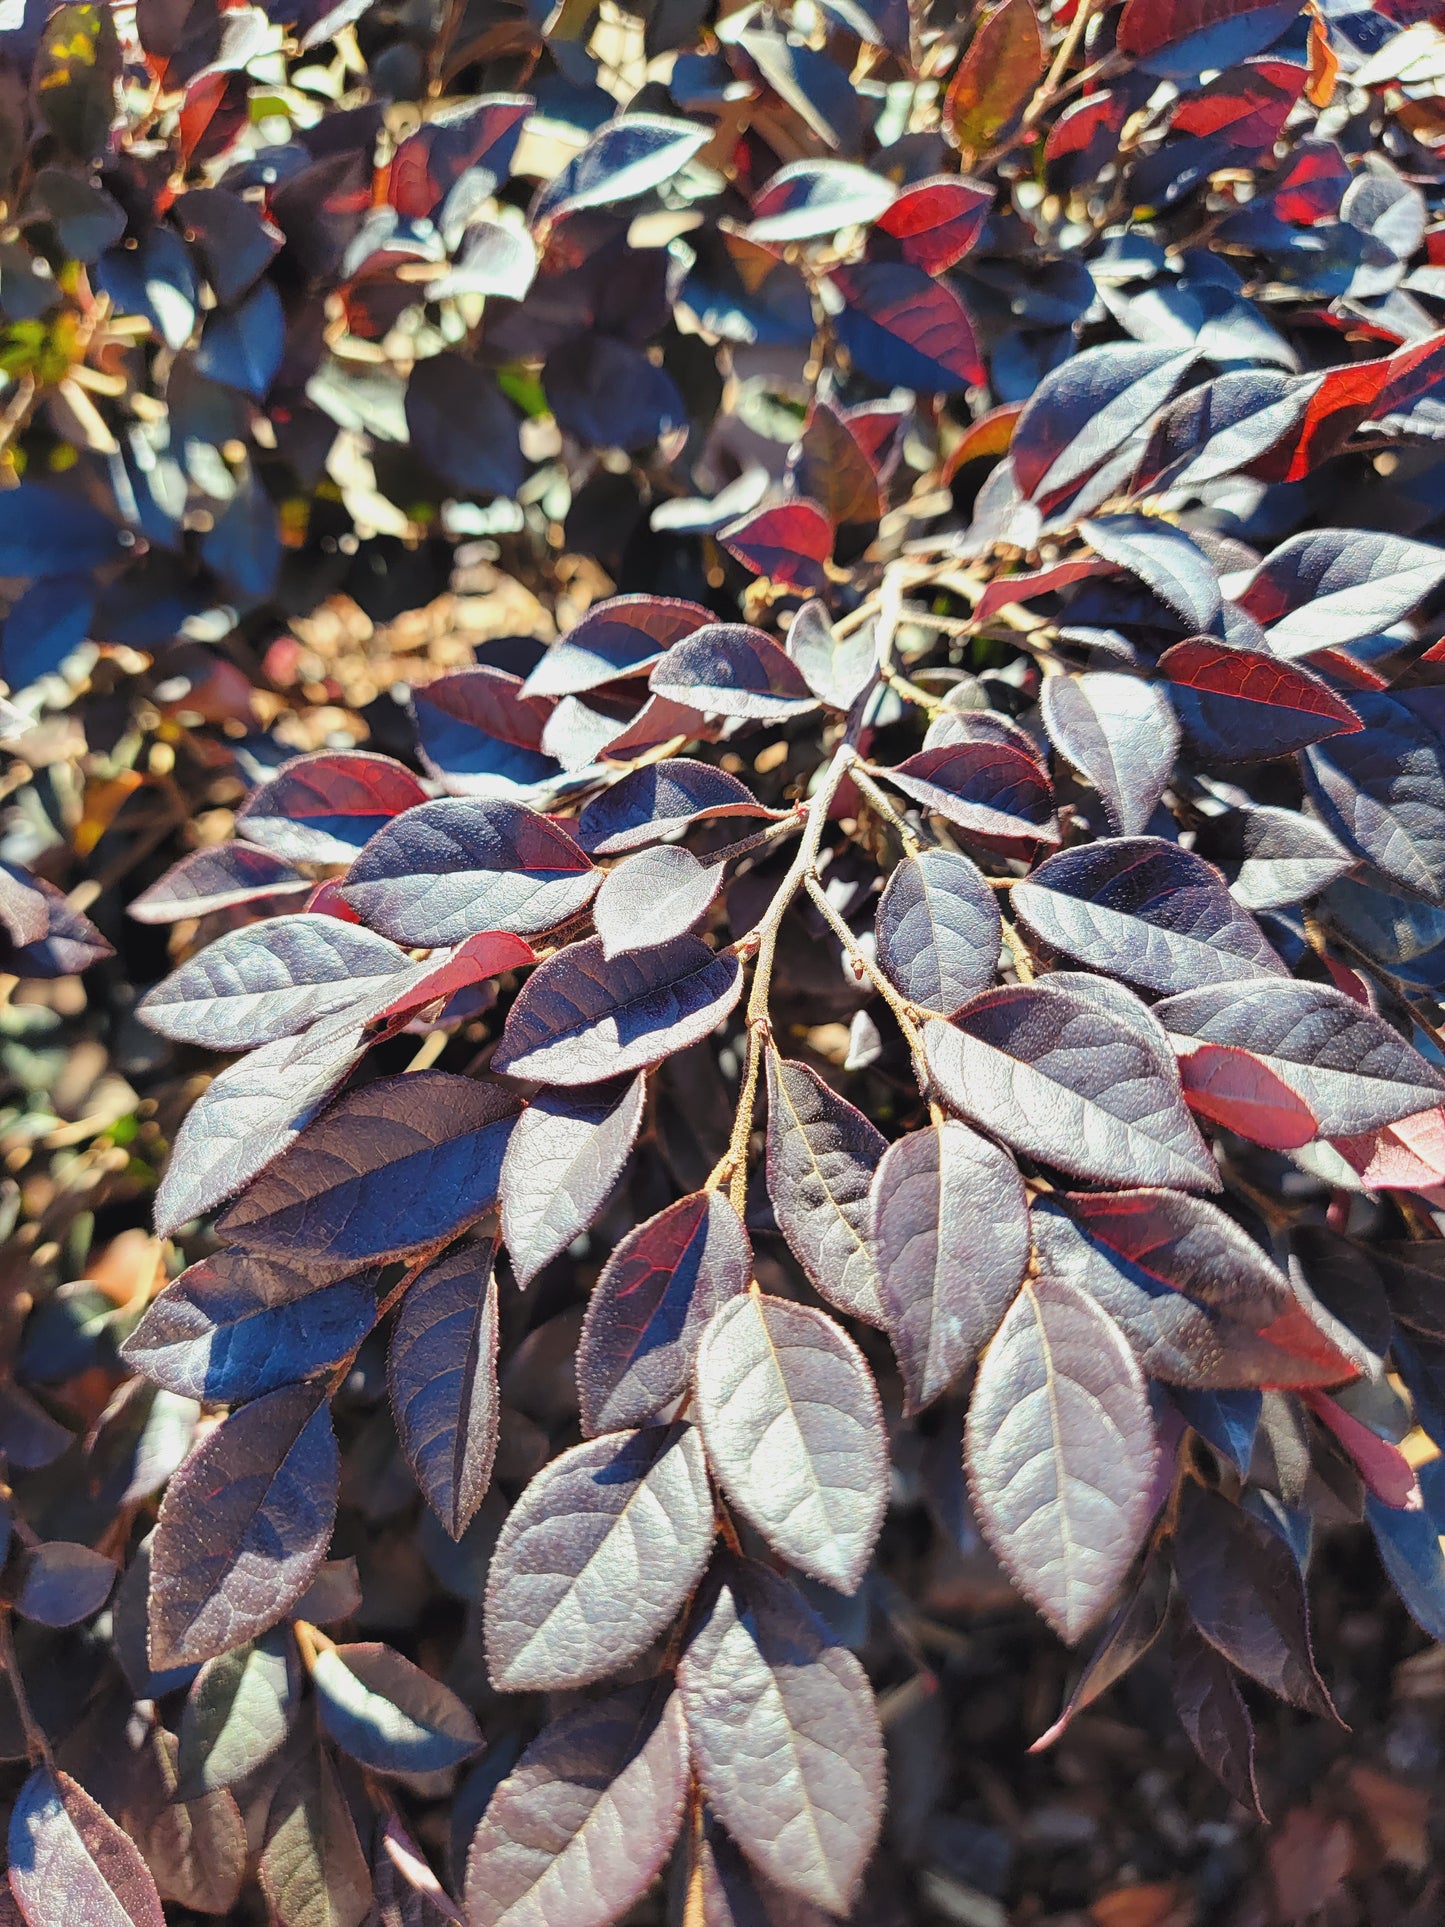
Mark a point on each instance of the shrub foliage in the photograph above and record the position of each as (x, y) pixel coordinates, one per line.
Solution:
(771, 676)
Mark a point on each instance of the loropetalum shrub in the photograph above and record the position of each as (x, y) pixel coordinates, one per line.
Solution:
(921, 939)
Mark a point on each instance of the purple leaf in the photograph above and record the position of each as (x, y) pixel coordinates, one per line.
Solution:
(789, 543)
(1382, 790)
(1244, 1593)
(250, 1113)
(1327, 587)
(268, 981)
(939, 930)
(836, 669)
(948, 1230)
(998, 796)
(397, 1166)
(1352, 1070)
(477, 133)
(442, 1371)
(24, 911)
(1273, 857)
(822, 1153)
(728, 669)
(581, 1019)
(218, 878)
(311, 1865)
(1145, 911)
(236, 1715)
(831, 464)
(463, 427)
(450, 868)
(388, 1714)
(581, 1826)
(793, 1429)
(809, 199)
(626, 157)
(621, 637)
(1072, 1070)
(479, 736)
(1130, 1632)
(1212, 1712)
(784, 1735)
(562, 1164)
(659, 800)
(234, 1326)
(597, 1558)
(244, 1526)
(649, 1307)
(733, 1894)
(1061, 1453)
(902, 328)
(323, 808)
(1237, 705)
(1121, 735)
(1164, 559)
(653, 896)
(605, 393)
(61, 1583)
(1219, 428)
(1084, 411)
(67, 1856)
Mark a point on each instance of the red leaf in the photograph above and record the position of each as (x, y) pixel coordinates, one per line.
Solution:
(936, 222)
(1229, 1087)
(790, 543)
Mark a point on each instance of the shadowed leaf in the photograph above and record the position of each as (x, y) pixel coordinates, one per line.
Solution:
(442, 1371)
(822, 1153)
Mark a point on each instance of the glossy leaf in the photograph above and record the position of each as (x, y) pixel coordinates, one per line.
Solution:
(836, 669)
(388, 1714)
(582, 1018)
(621, 637)
(563, 1160)
(624, 158)
(1074, 1071)
(996, 795)
(784, 1734)
(939, 930)
(580, 1827)
(598, 1557)
(1238, 704)
(650, 1305)
(1330, 586)
(1061, 1453)
(1164, 560)
(244, 1527)
(62, 1844)
(451, 868)
(792, 1426)
(808, 199)
(1120, 734)
(1381, 790)
(948, 1233)
(658, 800)
(653, 896)
(1085, 410)
(442, 1371)
(322, 808)
(729, 669)
(821, 1156)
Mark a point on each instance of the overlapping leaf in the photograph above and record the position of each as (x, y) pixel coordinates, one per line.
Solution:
(821, 1156)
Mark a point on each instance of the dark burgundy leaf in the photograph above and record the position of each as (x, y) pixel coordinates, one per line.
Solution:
(793, 1429)
(478, 133)
(619, 638)
(731, 1893)
(657, 801)
(463, 427)
(24, 911)
(451, 868)
(250, 1113)
(70, 945)
(1145, 911)
(244, 1526)
(388, 1714)
(195, 1848)
(809, 199)
(234, 1326)
(311, 1865)
(1084, 411)
(490, 953)
(903, 329)
(1031, 584)
(1061, 1453)
(1238, 704)
(836, 669)
(784, 1735)
(1331, 586)
(948, 1232)
(479, 736)
(1120, 733)
(626, 157)
(830, 465)
(581, 1018)
(649, 1307)
(579, 1829)
(1274, 857)
(235, 241)
(652, 896)
(1130, 1632)
(1410, 1551)
(822, 1153)
(268, 981)
(1075, 1071)
(998, 796)
(597, 1558)
(728, 669)
(442, 1371)
(939, 930)
(790, 543)
(1244, 1593)
(217, 879)
(1184, 37)
(68, 1858)
(1414, 1280)
(607, 394)
(1164, 559)
(61, 1583)
(563, 1161)
(934, 222)
(323, 808)
(236, 1715)
(1212, 1711)
(394, 1167)
(1348, 1066)
(1219, 428)
(1382, 790)
(1200, 1303)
